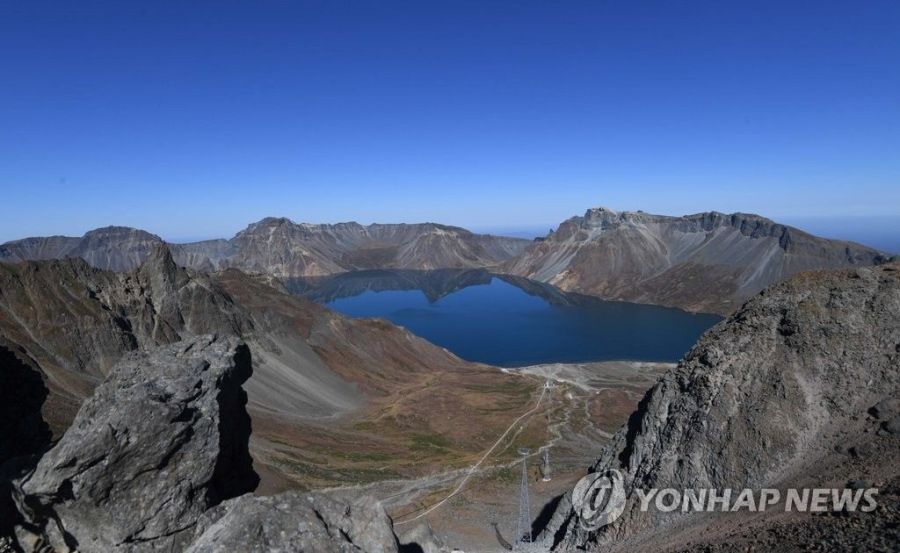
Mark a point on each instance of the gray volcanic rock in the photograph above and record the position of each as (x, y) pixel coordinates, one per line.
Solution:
(116, 248)
(280, 247)
(295, 521)
(206, 255)
(283, 248)
(162, 440)
(421, 538)
(705, 262)
(38, 248)
(113, 248)
(787, 392)
(76, 321)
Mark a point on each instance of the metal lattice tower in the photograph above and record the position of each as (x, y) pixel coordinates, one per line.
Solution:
(545, 469)
(523, 524)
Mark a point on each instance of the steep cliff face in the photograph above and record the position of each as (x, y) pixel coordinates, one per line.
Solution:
(280, 247)
(799, 388)
(705, 262)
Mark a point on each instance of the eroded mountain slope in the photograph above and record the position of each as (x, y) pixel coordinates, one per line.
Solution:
(799, 388)
(706, 262)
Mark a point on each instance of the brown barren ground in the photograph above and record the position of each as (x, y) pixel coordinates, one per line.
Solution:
(585, 403)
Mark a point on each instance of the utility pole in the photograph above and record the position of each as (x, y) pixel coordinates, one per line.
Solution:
(523, 525)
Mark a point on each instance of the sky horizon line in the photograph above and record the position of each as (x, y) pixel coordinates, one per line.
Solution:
(877, 231)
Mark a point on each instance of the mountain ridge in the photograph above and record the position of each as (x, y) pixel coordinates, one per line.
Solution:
(708, 261)
(279, 246)
(703, 262)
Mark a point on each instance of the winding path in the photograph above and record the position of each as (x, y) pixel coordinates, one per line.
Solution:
(475, 467)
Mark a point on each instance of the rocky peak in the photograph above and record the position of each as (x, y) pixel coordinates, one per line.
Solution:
(270, 222)
(599, 219)
(266, 225)
(279, 246)
(120, 233)
(279, 229)
(702, 262)
(599, 212)
(162, 440)
(160, 266)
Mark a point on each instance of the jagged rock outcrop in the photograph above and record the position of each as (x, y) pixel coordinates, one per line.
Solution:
(705, 262)
(162, 440)
(75, 322)
(281, 247)
(295, 521)
(793, 390)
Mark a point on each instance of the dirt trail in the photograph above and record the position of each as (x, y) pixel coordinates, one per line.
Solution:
(476, 466)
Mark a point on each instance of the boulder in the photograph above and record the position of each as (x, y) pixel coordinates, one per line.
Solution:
(162, 439)
(295, 521)
(422, 538)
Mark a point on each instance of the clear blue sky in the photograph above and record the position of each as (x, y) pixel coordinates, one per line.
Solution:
(192, 119)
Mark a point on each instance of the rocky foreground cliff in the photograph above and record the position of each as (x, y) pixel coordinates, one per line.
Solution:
(800, 388)
(157, 460)
(708, 262)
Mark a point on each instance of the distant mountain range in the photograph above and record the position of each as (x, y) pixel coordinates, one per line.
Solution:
(283, 248)
(708, 262)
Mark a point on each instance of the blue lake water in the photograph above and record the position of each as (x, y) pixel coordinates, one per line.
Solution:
(506, 324)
